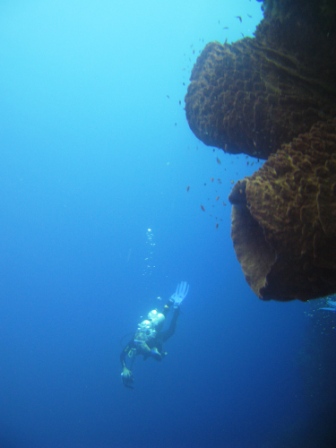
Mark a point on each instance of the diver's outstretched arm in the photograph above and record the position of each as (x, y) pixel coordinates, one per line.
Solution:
(126, 373)
(172, 327)
(123, 354)
(176, 299)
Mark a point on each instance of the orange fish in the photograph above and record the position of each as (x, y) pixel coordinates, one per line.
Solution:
(202, 208)
(188, 188)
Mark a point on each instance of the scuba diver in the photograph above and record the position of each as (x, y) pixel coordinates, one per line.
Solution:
(149, 338)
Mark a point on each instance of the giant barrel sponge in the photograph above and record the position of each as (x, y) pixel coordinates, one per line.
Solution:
(284, 219)
(274, 97)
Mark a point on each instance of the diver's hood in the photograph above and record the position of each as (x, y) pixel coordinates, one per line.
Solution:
(145, 325)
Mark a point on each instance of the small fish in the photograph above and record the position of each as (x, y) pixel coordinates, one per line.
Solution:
(225, 27)
(217, 198)
(217, 225)
(212, 179)
(180, 102)
(232, 182)
(224, 203)
(202, 208)
(168, 96)
(239, 18)
(249, 15)
(218, 161)
(188, 188)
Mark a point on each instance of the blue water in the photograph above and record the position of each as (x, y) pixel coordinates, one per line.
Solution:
(96, 150)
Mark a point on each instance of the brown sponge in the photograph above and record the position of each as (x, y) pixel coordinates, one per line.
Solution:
(274, 96)
(284, 219)
(249, 97)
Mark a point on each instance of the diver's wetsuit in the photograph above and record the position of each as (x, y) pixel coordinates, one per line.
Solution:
(132, 348)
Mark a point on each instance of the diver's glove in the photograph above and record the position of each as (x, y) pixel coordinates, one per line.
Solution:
(127, 378)
(180, 294)
(156, 354)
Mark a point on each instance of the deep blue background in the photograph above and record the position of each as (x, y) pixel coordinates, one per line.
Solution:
(95, 149)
